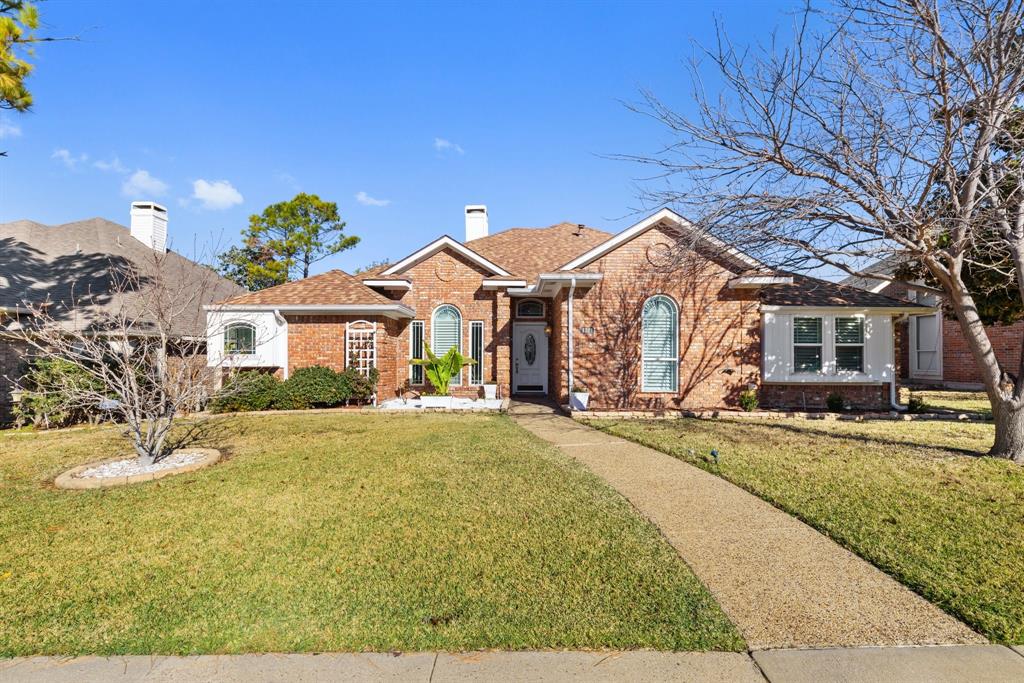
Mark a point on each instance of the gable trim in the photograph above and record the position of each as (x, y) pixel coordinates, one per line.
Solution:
(654, 220)
(437, 245)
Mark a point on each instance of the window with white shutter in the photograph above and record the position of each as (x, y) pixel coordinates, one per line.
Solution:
(807, 338)
(446, 332)
(660, 331)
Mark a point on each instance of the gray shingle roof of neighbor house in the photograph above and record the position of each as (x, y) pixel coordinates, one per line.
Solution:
(70, 267)
(810, 291)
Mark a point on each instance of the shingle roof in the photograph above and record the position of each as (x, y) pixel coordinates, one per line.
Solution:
(527, 252)
(70, 266)
(810, 291)
(333, 288)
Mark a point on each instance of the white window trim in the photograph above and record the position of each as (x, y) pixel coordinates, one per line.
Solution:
(228, 327)
(643, 360)
(483, 347)
(543, 309)
(457, 380)
(423, 338)
(862, 344)
(350, 333)
(820, 345)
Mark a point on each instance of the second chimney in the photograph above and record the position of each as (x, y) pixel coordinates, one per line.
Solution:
(149, 225)
(476, 221)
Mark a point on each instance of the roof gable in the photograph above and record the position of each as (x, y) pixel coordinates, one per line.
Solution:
(663, 218)
(443, 242)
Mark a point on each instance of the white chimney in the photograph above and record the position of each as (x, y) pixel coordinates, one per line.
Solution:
(149, 225)
(476, 221)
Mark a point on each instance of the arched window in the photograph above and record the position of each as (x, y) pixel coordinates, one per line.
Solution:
(240, 338)
(446, 332)
(660, 371)
(530, 308)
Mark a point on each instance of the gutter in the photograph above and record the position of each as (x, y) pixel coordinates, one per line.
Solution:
(282, 322)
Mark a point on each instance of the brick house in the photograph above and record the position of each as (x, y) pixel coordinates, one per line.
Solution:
(656, 317)
(931, 346)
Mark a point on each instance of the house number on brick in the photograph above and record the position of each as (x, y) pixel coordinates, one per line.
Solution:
(586, 330)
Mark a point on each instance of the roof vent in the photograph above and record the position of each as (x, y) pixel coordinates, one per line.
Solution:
(476, 221)
(149, 225)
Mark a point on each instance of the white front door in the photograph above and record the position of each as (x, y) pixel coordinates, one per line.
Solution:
(529, 358)
(926, 346)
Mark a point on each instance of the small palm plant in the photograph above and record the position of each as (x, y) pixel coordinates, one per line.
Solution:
(440, 369)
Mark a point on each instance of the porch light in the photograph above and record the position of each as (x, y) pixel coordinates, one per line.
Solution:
(547, 330)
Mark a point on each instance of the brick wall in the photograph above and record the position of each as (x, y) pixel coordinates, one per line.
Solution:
(719, 329)
(958, 366)
(814, 396)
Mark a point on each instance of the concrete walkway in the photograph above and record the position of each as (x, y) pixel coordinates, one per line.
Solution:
(781, 582)
(975, 663)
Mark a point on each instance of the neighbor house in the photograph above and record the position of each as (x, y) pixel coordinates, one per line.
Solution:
(656, 317)
(71, 271)
(932, 349)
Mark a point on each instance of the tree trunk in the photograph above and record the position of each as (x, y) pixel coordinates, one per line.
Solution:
(1009, 417)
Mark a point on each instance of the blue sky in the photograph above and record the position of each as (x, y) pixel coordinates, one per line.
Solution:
(400, 112)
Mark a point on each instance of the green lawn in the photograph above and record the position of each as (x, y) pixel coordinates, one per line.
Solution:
(914, 498)
(338, 532)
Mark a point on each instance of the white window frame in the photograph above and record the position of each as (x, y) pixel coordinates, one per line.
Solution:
(232, 325)
(820, 345)
(457, 380)
(836, 344)
(412, 350)
(543, 309)
(478, 368)
(365, 361)
(674, 360)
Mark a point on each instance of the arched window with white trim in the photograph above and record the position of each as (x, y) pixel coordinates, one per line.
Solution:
(660, 345)
(446, 332)
(361, 346)
(240, 339)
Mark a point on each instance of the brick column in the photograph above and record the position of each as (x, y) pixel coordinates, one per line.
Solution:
(503, 342)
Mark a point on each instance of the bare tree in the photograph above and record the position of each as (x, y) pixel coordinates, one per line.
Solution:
(138, 347)
(885, 130)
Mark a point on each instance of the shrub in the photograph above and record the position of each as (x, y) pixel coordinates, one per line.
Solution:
(48, 383)
(916, 405)
(834, 402)
(320, 387)
(246, 391)
(748, 400)
(360, 388)
(290, 397)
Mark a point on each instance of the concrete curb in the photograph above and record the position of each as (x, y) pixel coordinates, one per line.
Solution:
(71, 480)
(975, 663)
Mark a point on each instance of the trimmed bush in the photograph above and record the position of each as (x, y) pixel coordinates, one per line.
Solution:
(748, 400)
(834, 402)
(246, 391)
(318, 386)
(45, 402)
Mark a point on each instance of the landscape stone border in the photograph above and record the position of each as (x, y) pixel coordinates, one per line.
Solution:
(71, 480)
(774, 415)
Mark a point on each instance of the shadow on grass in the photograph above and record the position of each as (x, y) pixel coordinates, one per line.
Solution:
(816, 431)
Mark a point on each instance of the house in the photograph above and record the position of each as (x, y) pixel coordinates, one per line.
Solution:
(932, 349)
(70, 270)
(656, 317)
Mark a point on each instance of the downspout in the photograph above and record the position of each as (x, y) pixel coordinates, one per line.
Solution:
(572, 292)
(280, 320)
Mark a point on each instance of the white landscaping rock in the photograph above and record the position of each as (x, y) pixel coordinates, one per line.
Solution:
(131, 466)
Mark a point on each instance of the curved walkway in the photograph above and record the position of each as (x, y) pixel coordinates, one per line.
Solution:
(781, 582)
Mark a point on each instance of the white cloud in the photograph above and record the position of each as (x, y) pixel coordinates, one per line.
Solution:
(216, 195)
(9, 130)
(367, 200)
(142, 185)
(442, 146)
(68, 159)
(114, 165)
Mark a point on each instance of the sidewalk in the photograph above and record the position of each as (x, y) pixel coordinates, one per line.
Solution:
(975, 663)
(781, 582)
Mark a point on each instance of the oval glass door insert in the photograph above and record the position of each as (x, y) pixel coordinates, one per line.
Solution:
(530, 349)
